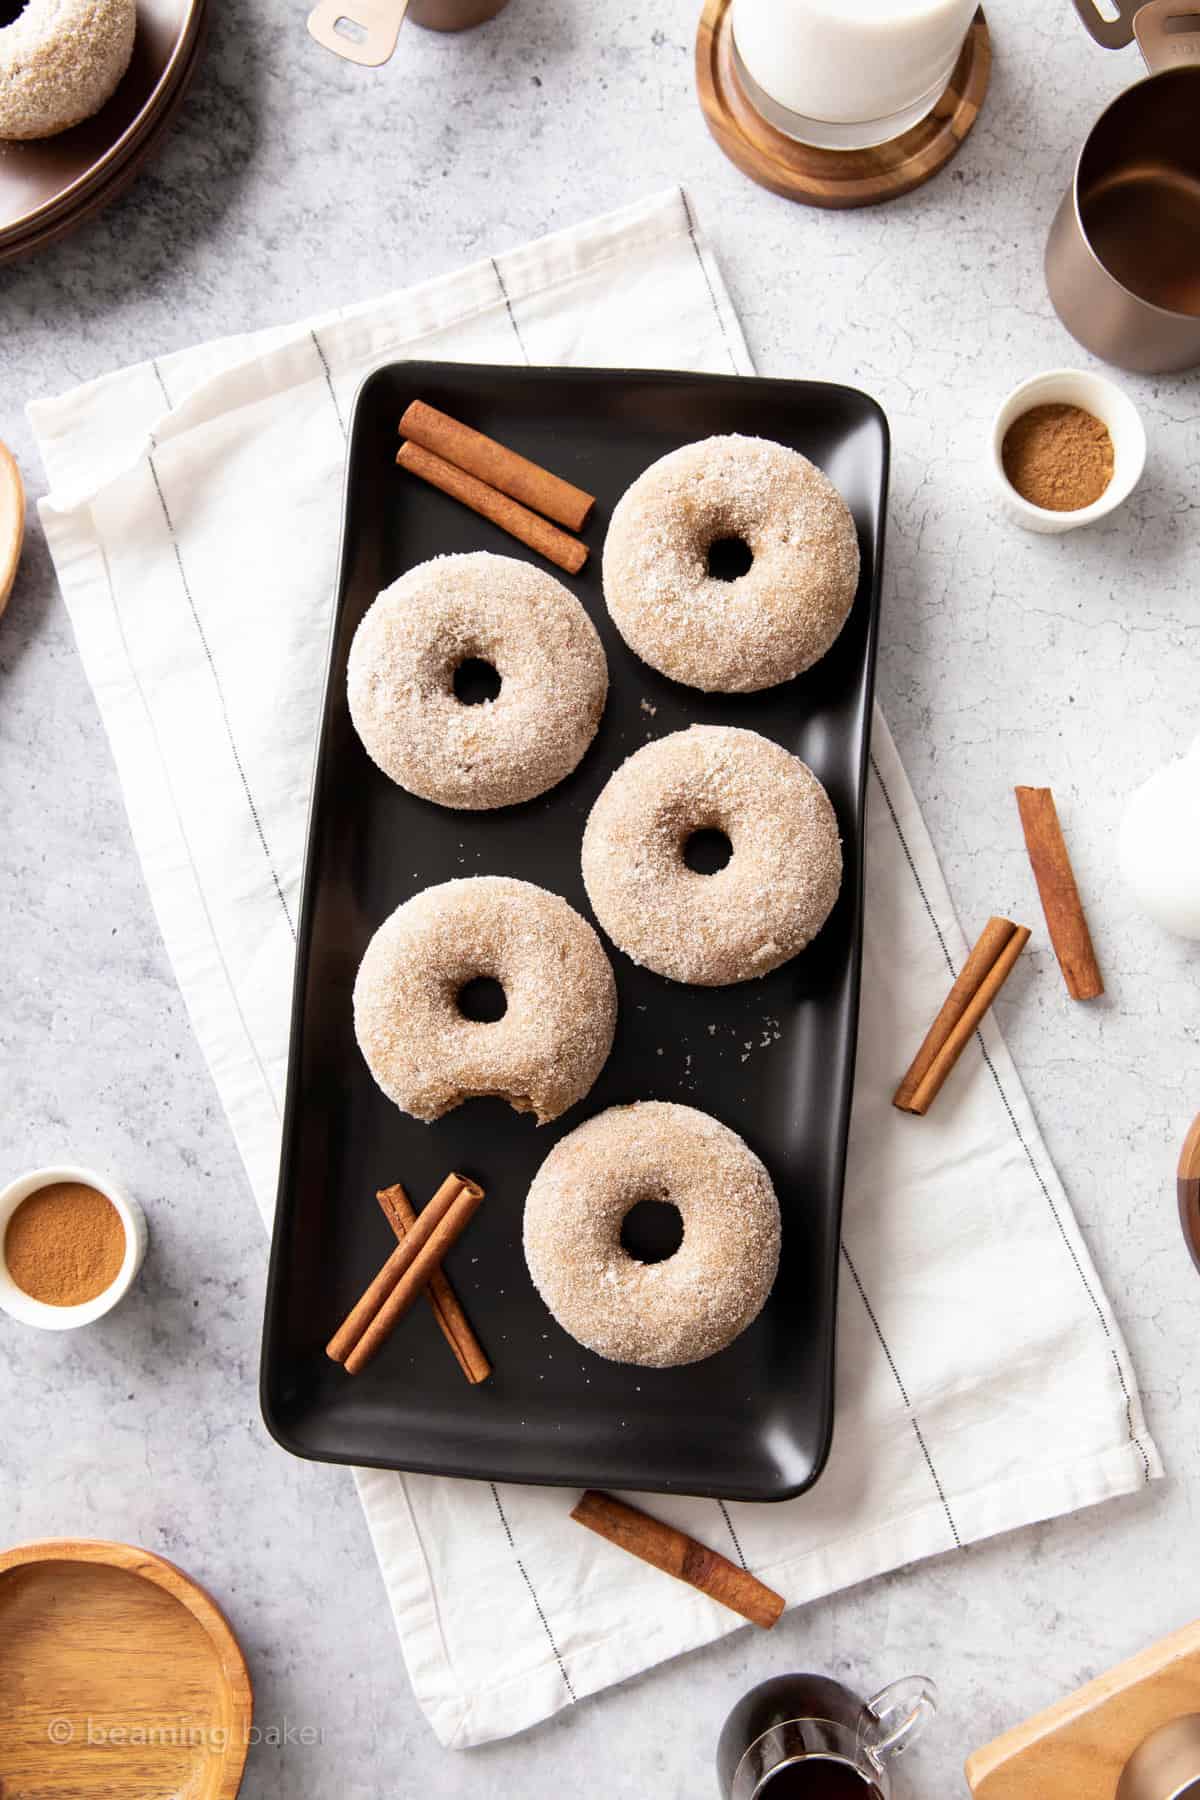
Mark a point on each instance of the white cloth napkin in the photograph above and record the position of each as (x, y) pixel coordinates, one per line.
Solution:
(982, 1380)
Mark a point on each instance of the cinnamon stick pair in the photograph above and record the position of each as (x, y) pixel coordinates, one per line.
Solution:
(443, 1301)
(407, 1271)
(494, 481)
(683, 1557)
(983, 975)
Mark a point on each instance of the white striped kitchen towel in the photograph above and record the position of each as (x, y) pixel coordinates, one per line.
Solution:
(983, 1379)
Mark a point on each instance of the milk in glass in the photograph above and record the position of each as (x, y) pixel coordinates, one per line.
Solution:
(846, 74)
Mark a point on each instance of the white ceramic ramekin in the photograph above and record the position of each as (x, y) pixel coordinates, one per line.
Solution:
(20, 1305)
(1104, 400)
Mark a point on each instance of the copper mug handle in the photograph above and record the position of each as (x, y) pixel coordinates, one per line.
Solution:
(366, 31)
(1188, 1184)
(1167, 31)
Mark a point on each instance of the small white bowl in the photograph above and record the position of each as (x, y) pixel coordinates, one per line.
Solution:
(1104, 400)
(20, 1305)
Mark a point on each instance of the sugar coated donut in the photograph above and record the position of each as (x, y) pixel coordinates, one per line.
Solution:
(60, 60)
(691, 1304)
(744, 495)
(486, 609)
(772, 896)
(561, 999)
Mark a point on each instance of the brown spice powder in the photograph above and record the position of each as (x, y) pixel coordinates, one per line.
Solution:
(1058, 457)
(65, 1244)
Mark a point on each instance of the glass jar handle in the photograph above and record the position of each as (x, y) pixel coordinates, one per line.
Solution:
(896, 1716)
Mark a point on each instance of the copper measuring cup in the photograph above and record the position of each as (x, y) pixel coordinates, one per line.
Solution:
(1188, 1184)
(365, 31)
(1123, 256)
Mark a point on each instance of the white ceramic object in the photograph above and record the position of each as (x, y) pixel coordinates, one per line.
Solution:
(1104, 400)
(846, 74)
(20, 1305)
(1159, 848)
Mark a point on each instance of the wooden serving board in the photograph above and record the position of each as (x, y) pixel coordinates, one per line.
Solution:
(120, 1679)
(1078, 1748)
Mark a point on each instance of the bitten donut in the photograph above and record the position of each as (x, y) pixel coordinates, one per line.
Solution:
(691, 1304)
(476, 608)
(561, 1000)
(772, 896)
(749, 496)
(60, 60)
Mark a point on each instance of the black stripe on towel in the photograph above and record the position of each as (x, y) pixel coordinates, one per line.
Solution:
(329, 381)
(512, 317)
(254, 814)
(536, 1602)
(912, 1418)
(733, 1534)
(691, 225)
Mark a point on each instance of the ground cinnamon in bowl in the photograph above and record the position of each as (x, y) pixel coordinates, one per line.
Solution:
(1058, 457)
(65, 1244)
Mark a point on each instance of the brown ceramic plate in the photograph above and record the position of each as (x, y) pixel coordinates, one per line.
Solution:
(56, 178)
(121, 1678)
(119, 175)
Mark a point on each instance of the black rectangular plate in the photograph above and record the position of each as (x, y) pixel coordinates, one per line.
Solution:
(773, 1058)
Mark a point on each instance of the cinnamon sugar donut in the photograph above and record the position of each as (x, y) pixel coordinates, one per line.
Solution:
(691, 1304)
(773, 895)
(766, 625)
(476, 608)
(557, 1029)
(60, 60)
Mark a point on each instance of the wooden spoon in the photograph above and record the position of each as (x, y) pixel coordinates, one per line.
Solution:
(12, 523)
(1189, 1190)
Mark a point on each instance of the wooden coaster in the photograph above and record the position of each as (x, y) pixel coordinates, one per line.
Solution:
(836, 178)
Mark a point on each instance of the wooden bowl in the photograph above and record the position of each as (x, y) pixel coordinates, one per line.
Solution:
(122, 1679)
(12, 523)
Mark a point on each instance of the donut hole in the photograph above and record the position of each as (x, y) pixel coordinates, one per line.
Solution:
(651, 1231)
(482, 1000)
(729, 558)
(706, 852)
(474, 679)
(10, 11)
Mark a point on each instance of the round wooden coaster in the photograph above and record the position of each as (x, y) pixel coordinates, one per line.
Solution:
(836, 178)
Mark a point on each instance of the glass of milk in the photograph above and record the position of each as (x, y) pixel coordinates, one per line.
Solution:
(846, 74)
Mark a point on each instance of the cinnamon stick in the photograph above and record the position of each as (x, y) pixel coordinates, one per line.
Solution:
(436, 1229)
(1065, 919)
(558, 547)
(499, 466)
(443, 1301)
(983, 975)
(679, 1555)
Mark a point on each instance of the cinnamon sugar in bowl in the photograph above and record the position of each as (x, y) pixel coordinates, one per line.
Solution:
(1110, 407)
(71, 1245)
